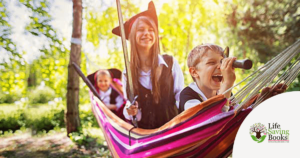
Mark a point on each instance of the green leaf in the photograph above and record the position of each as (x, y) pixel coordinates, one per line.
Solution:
(254, 138)
(262, 138)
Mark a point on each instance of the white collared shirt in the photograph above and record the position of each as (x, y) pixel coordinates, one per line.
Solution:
(105, 97)
(194, 102)
(145, 80)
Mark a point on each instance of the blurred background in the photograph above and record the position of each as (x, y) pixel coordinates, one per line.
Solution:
(35, 48)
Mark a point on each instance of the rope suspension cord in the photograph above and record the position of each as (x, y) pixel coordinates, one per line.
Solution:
(255, 82)
(278, 66)
(266, 74)
(287, 78)
(289, 73)
(294, 73)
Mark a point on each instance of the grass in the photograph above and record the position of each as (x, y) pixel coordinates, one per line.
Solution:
(52, 144)
(89, 142)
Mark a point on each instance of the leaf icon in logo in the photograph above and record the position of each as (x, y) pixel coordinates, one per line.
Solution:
(262, 138)
(254, 138)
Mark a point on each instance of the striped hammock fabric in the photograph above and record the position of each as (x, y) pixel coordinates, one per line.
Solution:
(201, 131)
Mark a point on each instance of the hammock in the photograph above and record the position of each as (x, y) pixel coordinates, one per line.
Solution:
(201, 131)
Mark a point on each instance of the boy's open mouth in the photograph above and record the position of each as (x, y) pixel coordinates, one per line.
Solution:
(217, 78)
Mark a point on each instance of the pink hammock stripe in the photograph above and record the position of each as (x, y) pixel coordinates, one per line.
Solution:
(203, 128)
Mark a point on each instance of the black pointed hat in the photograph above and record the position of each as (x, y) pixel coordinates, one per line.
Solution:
(151, 12)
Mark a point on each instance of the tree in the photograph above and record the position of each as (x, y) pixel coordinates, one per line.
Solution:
(258, 129)
(72, 115)
(99, 26)
(185, 24)
(51, 65)
(265, 28)
(12, 63)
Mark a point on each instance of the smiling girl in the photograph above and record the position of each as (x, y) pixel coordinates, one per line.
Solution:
(157, 79)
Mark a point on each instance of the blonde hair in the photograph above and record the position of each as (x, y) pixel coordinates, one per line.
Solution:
(135, 62)
(102, 73)
(197, 53)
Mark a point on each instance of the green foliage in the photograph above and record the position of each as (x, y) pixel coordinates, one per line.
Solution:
(41, 95)
(91, 137)
(47, 119)
(81, 139)
(87, 118)
(10, 97)
(99, 26)
(43, 118)
(50, 67)
(5, 41)
(12, 65)
(262, 29)
(12, 121)
(266, 26)
(52, 64)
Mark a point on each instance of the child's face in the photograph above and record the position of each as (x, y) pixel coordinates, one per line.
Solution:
(207, 73)
(103, 82)
(145, 35)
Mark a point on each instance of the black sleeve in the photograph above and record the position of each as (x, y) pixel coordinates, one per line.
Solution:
(187, 94)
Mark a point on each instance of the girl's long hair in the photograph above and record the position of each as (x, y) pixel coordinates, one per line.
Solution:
(135, 63)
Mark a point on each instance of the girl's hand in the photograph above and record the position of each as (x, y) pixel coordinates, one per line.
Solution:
(133, 109)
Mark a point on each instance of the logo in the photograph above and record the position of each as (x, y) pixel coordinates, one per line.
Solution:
(278, 135)
(258, 132)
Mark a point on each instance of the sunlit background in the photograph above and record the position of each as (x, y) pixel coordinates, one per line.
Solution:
(35, 48)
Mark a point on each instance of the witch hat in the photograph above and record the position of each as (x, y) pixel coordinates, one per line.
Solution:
(151, 13)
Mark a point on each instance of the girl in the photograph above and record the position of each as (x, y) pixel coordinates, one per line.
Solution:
(157, 79)
(112, 99)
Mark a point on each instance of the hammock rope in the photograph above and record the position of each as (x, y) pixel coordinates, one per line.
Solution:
(287, 78)
(265, 75)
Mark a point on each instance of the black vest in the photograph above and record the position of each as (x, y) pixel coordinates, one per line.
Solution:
(188, 94)
(155, 115)
(113, 95)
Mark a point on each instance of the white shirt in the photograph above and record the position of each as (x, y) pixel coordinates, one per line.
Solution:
(194, 102)
(105, 97)
(145, 80)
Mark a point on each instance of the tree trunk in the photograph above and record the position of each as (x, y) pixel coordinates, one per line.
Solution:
(258, 135)
(72, 115)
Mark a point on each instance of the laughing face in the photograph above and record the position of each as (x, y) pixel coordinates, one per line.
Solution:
(207, 72)
(145, 35)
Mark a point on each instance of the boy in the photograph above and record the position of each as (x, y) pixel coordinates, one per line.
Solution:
(212, 73)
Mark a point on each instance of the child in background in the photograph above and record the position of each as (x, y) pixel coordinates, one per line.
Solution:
(210, 75)
(112, 99)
